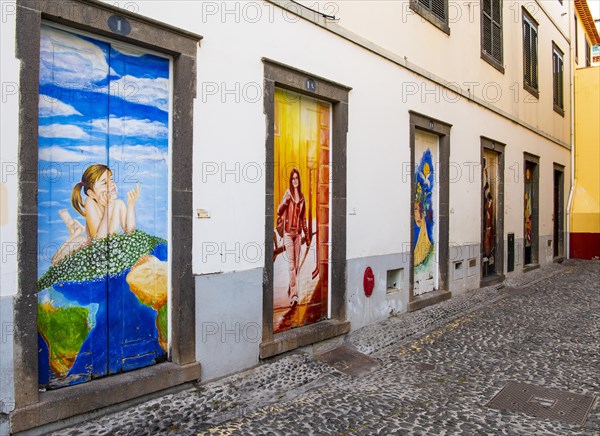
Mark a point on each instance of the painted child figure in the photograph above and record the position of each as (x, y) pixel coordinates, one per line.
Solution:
(104, 213)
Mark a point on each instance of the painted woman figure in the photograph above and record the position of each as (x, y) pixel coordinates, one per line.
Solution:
(104, 213)
(293, 211)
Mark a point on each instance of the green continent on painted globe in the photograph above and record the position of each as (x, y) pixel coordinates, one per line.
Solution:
(162, 323)
(94, 262)
(64, 344)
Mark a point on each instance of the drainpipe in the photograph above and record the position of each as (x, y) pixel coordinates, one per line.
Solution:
(572, 135)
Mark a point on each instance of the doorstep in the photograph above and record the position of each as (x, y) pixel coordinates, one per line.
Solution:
(302, 336)
(428, 299)
(61, 404)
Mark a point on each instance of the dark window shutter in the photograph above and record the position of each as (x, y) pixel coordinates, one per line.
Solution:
(497, 10)
(561, 84)
(534, 59)
(487, 34)
(497, 42)
(491, 29)
(555, 78)
(527, 53)
(530, 53)
(438, 7)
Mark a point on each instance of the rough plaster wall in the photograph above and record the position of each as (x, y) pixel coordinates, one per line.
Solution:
(8, 204)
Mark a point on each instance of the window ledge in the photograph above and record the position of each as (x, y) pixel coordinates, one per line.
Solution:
(493, 62)
(559, 110)
(531, 90)
(429, 16)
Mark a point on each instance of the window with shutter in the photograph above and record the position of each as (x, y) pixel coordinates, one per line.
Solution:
(434, 11)
(530, 54)
(587, 53)
(576, 41)
(558, 79)
(491, 33)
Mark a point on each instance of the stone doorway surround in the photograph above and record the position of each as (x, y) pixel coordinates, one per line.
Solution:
(498, 148)
(442, 130)
(282, 76)
(35, 408)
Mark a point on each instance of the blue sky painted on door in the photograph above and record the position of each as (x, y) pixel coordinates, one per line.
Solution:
(123, 92)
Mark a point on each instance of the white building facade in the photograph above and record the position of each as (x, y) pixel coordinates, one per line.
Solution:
(433, 160)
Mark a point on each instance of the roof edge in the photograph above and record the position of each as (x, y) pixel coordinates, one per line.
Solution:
(588, 21)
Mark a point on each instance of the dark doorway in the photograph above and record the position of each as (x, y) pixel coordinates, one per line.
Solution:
(557, 215)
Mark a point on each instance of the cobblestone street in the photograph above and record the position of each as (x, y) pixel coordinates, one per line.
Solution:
(436, 371)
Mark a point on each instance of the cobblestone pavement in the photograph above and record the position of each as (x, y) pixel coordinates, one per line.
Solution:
(438, 368)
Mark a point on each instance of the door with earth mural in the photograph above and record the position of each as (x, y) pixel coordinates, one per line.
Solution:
(301, 234)
(103, 177)
(425, 213)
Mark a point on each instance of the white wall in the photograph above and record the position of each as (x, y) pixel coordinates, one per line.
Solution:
(9, 122)
(229, 140)
(229, 134)
(456, 58)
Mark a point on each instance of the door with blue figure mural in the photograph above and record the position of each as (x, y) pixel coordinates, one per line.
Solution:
(102, 208)
(425, 214)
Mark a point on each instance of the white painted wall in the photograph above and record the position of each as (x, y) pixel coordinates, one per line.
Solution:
(9, 123)
(456, 58)
(229, 140)
(9, 79)
(229, 134)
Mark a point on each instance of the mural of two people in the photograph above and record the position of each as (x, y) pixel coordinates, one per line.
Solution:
(103, 263)
(302, 204)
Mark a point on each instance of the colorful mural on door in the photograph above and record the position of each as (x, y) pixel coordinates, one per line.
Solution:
(425, 218)
(490, 170)
(528, 213)
(102, 208)
(302, 204)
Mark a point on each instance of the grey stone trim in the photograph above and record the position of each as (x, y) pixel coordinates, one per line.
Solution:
(67, 402)
(302, 336)
(498, 147)
(92, 17)
(442, 130)
(428, 299)
(279, 75)
(346, 34)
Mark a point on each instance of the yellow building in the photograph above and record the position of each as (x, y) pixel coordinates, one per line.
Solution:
(585, 206)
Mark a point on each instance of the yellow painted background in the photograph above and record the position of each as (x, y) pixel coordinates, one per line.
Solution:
(585, 210)
(296, 142)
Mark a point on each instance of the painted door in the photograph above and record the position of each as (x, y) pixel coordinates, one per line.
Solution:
(530, 237)
(489, 212)
(102, 208)
(302, 202)
(425, 213)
